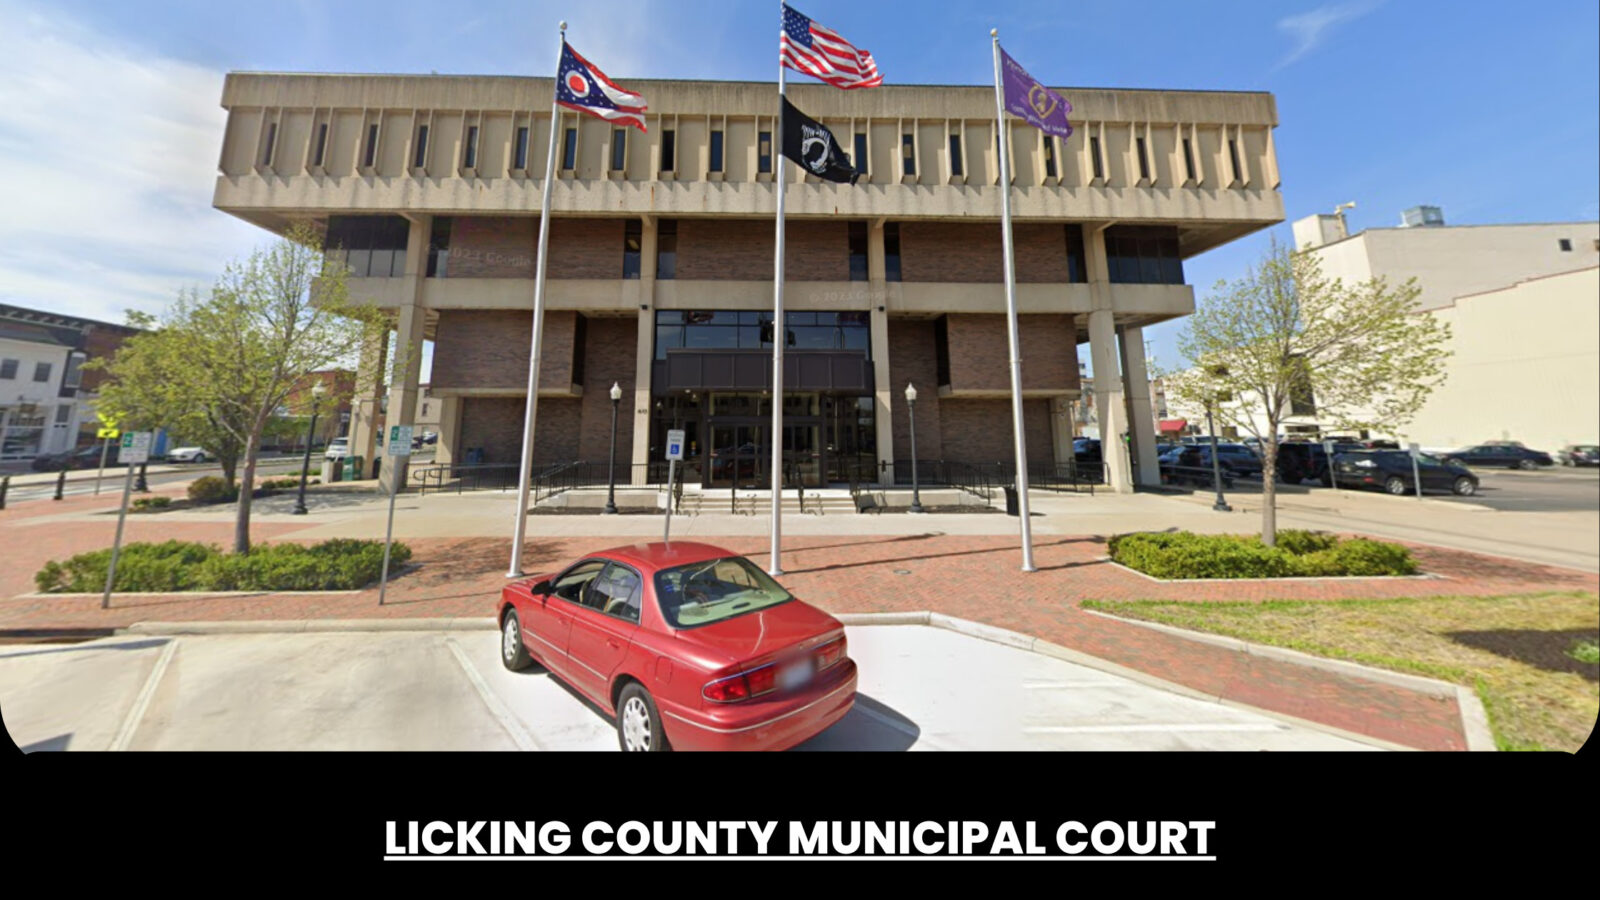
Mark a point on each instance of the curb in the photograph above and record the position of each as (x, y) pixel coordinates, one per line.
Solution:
(1474, 720)
(1425, 576)
(310, 626)
(180, 595)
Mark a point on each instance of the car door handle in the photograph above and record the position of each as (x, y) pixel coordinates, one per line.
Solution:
(612, 644)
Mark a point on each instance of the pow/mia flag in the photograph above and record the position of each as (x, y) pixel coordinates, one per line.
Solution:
(811, 145)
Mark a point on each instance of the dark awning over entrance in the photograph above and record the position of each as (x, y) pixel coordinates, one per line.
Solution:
(803, 370)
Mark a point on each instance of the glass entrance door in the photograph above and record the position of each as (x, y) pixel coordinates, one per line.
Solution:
(741, 455)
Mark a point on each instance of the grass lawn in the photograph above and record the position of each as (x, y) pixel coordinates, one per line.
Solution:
(1530, 657)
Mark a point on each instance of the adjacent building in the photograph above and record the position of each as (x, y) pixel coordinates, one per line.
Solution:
(46, 399)
(661, 261)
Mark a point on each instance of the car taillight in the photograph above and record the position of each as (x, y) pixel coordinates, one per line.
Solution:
(762, 680)
(830, 653)
(727, 690)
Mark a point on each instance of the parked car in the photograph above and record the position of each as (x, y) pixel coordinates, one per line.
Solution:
(1391, 471)
(1302, 461)
(1501, 453)
(686, 645)
(1087, 450)
(81, 458)
(1579, 455)
(1191, 464)
(1236, 459)
(189, 455)
(338, 448)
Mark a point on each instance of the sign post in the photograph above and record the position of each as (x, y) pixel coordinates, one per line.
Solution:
(135, 449)
(674, 454)
(1416, 467)
(1333, 474)
(399, 448)
(106, 436)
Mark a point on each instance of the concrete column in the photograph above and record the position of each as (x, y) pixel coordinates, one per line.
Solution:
(882, 388)
(364, 405)
(1108, 395)
(406, 368)
(1141, 418)
(644, 350)
(1061, 427)
(449, 451)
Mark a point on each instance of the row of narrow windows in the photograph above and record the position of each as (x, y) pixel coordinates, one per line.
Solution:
(375, 247)
(619, 152)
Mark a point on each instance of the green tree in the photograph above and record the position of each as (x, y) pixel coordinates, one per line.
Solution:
(236, 354)
(1285, 333)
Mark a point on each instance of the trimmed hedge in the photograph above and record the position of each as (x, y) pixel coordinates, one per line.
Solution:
(342, 564)
(1183, 554)
(212, 489)
(152, 503)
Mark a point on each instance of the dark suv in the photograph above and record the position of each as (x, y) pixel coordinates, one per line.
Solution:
(1391, 470)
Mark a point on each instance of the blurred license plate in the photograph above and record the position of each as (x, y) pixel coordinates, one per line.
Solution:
(795, 675)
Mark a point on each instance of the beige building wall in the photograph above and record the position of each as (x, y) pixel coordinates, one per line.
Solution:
(1526, 367)
(1455, 260)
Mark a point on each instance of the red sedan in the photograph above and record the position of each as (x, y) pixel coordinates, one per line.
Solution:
(686, 645)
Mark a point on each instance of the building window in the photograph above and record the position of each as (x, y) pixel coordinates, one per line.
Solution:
(858, 251)
(908, 153)
(520, 159)
(439, 247)
(632, 243)
(1143, 254)
(712, 331)
(1188, 159)
(1301, 400)
(41, 371)
(1049, 157)
(424, 412)
(371, 155)
(619, 149)
(667, 249)
(469, 158)
(1094, 158)
(371, 246)
(1566, 245)
(8, 368)
(569, 150)
(955, 155)
(272, 138)
(669, 150)
(1077, 269)
(72, 378)
(421, 156)
(941, 350)
(322, 143)
(63, 415)
(716, 151)
(1144, 159)
(891, 251)
(1233, 157)
(764, 152)
(861, 154)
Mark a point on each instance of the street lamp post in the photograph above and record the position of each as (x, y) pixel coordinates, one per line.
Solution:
(317, 391)
(916, 487)
(611, 478)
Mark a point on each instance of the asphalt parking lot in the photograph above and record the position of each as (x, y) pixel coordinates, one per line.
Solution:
(1556, 489)
(921, 688)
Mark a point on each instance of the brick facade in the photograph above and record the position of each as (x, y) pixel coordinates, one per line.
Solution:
(980, 352)
(973, 254)
(608, 360)
(488, 349)
(506, 247)
(494, 425)
(742, 250)
(979, 430)
(911, 361)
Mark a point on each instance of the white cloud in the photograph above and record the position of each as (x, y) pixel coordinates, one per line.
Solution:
(108, 158)
(1309, 28)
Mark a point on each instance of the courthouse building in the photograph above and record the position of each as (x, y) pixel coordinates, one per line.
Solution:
(661, 260)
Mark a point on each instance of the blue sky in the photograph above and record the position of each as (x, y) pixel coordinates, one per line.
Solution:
(109, 125)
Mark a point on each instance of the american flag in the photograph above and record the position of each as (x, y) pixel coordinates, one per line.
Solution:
(808, 47)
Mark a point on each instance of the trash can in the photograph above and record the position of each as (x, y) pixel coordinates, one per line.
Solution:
(1013, 508)
(332, 470)
(377, 466)
(353, 469)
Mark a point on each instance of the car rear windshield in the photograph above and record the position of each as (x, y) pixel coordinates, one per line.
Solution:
(714, 590)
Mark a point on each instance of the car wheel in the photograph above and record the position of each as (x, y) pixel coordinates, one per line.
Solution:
(1465, 487)
(1527, 464)
(638, 723)
(1395, 485)
(512, 651)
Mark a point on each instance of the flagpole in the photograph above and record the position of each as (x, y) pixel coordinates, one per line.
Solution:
(526, 475)
(779, 332)
(1011, 309)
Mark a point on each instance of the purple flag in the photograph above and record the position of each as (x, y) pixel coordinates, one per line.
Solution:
(1031, 101)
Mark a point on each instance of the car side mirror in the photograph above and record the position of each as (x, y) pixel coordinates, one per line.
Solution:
(542, 588)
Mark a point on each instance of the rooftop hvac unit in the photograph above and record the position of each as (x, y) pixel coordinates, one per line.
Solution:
(1422, 215)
